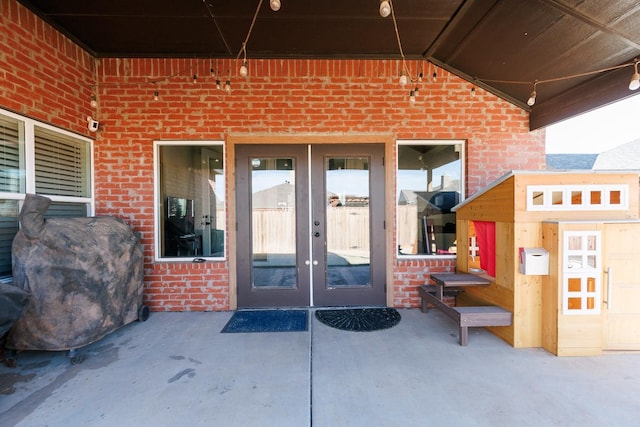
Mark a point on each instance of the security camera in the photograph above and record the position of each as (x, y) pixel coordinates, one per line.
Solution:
(93, 124)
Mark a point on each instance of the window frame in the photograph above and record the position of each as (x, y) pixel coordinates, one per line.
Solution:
(461, 143)
(158, 211)
(29, 164)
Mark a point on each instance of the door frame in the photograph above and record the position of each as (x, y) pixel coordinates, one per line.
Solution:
(306, 139)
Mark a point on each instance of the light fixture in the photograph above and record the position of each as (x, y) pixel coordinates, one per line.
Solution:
(218, 84)
(275, 5)
(403, 79)
(94, 101)
(156, 95)
(244, 69)
(412, 97)
(385, 8)
(434, 76)
(195, 78)
(532, 98)
(473, 91)
(634, 84)
(227, 86)
(212, 72)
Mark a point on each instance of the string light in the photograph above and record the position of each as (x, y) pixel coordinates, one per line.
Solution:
(94, 101)
(218, 84)
(156, 95)
(244, 70)
(227, 86)
(634, 84)
(385, 8)
(412, 97)
(275, 5)
(473, 91)
(532, 98)
(195, 78)
(403, 79)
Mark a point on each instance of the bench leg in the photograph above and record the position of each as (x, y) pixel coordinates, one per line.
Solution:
(425, 305)
(464, 335)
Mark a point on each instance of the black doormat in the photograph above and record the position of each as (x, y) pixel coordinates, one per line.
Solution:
(267, 321)
(359, 319)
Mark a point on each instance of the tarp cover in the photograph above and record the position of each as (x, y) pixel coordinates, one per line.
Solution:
(85, 277)
(12, 302)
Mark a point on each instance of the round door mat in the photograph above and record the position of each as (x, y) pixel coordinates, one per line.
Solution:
(359, 319)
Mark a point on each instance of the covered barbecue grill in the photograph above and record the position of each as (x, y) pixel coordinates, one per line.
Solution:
(84, 275)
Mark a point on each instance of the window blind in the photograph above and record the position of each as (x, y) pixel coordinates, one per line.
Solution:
(11, 132)
(61, 164)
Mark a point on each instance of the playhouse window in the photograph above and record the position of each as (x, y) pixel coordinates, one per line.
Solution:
(38, 158)
(581, 272)
(587, 197)
(429, 183)
(190, 200)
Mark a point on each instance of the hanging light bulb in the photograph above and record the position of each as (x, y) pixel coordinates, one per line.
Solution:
(473, 91)
(212, 73)
(227, 86)
(403, 79)
(434, 77)
(385, 8)
(244, 69)
(195, 78)
(634, 84)
(412, 97)
(275, 5)
(532, 98)
(156, 95)
(94, 101)
(218, 84)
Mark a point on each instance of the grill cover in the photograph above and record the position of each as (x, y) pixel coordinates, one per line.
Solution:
(84, 275)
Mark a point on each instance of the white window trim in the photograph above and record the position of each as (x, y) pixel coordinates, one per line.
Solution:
(156, 198)
(30, 172)
(463, 180)
(567, 190)
(582, 273)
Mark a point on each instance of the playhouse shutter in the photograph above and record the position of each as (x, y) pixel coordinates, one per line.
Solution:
(61, 164)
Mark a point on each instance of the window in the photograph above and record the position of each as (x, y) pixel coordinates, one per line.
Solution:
(429, 181)
(190, 200)
(38, 158)
(581, 273)
(586, 197)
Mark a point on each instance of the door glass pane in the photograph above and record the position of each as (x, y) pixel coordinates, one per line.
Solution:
(273, 225)
(347, 216)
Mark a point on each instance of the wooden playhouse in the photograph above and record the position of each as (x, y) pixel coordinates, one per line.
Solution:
(560, 250)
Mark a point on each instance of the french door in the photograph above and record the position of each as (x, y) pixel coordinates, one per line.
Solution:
(310, 225)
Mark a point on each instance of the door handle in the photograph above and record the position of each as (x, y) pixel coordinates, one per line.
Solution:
(609, 284)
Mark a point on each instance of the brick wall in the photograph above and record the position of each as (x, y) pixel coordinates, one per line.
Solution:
(278, 97)
(43, 74)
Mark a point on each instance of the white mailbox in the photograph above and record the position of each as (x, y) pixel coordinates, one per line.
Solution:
(534, 261)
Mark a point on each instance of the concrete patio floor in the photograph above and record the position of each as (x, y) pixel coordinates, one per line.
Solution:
(177, 369)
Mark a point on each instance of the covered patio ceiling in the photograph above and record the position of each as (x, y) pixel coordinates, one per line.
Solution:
(503, 46)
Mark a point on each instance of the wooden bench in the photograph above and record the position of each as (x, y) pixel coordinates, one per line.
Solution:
(466, 317)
